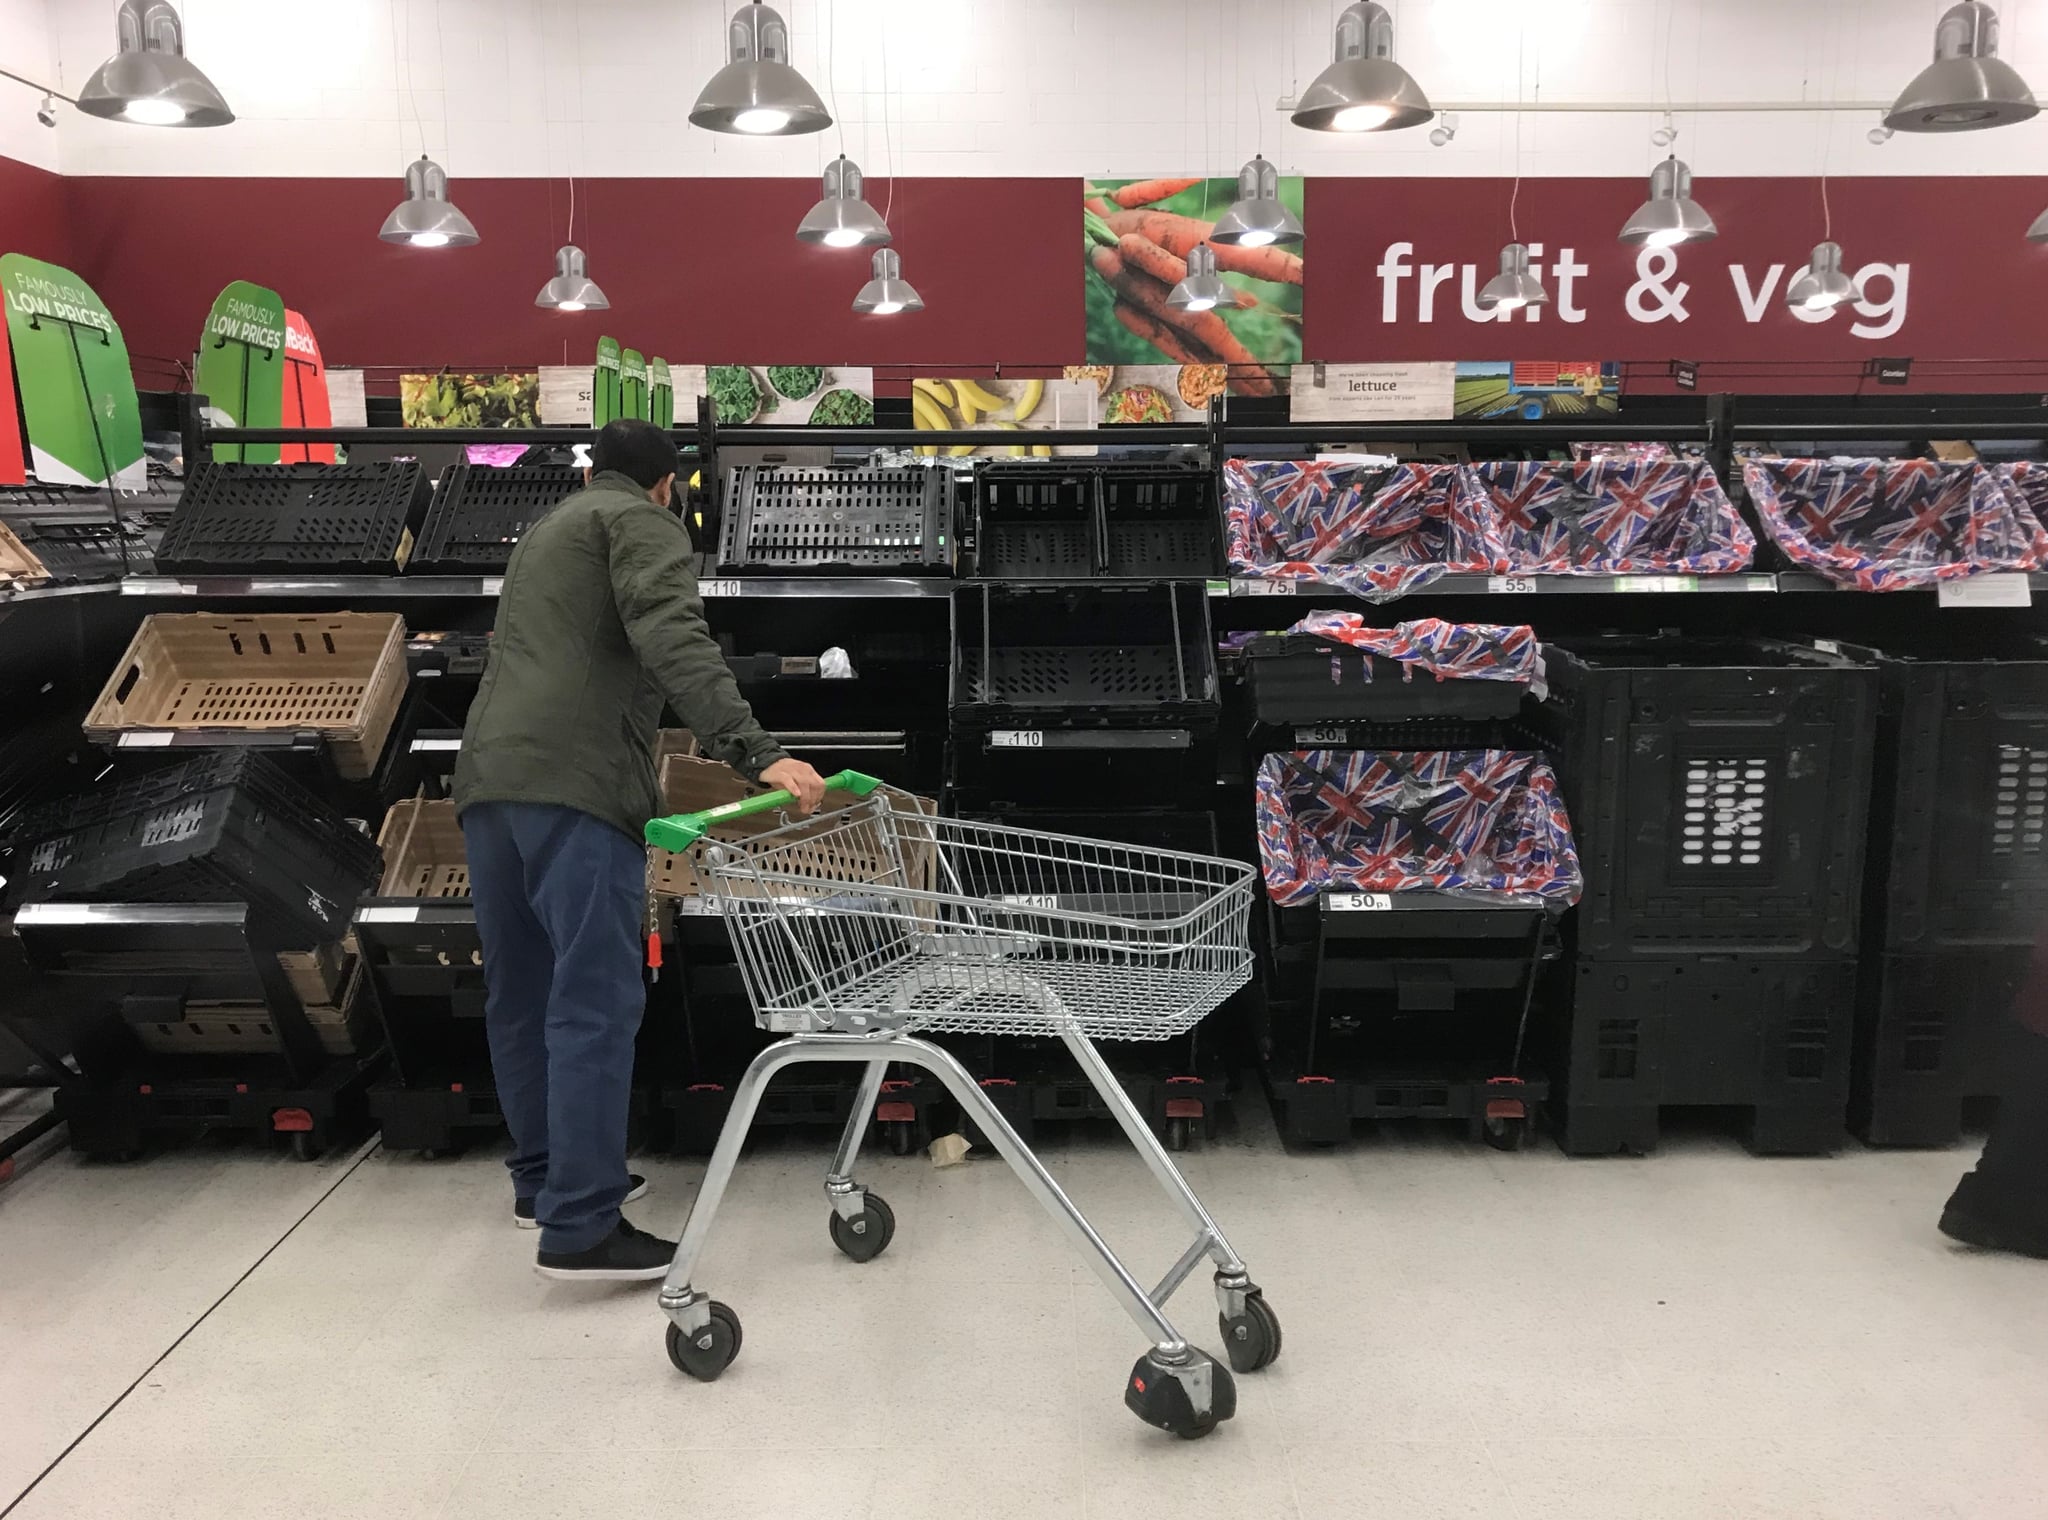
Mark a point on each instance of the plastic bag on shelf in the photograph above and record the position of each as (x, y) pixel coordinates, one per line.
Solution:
(1448, 651)
(1483, 824)
(1374, 530)
(1892, 525)
(1607, 517)
(2028, 479)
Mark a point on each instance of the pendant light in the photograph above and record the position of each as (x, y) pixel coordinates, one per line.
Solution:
(1256, 218)
(1516, 285)
(1203, 289)
(843, 218)
(888, 292)
(426, 218)
(1823, 285)
(1363, 89)
(2038, 233)
(149, 81)
(1968, 86)
(1670, 216)
(757, 93)
(572, 288)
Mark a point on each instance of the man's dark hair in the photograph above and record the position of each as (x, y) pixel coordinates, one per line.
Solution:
(638, 450)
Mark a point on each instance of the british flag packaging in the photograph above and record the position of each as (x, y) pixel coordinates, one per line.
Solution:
(1448, 651)
(1470, 823)
(1374, 530)
(2029, 481)
(1894, 524)
(1607, 517)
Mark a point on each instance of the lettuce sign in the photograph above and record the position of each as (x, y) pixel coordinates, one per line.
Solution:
(71, 368)
(241, 366)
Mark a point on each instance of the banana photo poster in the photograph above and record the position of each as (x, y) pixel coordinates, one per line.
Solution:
(1003, 406)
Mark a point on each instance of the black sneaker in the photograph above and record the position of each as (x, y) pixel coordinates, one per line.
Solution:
(626, 1255)
(522, 1208)
(1970, 1229)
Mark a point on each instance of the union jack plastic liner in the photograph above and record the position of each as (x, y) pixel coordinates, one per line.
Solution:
(1469, 823)
(2030, 481)
(1448, 651)
(1891, 525)
(1607, 517)
(1374, 530)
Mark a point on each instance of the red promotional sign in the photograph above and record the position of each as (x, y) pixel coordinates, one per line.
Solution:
(13, 463)
(1947, 275)
(305, 391)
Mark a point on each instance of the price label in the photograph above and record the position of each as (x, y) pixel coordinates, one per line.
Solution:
(1259, 586)
(1029, 900)
(1827, 646)
(718, 588)
(435, 746)
(1219, 588)
(144, 741)
(1017, 738)
(1328, 733)
(1360, 902)
(1998, 589)
(388, 916)
(494, 585)
(697, 907)
(1656, 583)
(1511, 585)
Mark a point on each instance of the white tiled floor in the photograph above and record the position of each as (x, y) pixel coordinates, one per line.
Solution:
(1468, 1334)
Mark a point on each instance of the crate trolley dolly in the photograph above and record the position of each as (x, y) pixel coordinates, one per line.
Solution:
(951, 926)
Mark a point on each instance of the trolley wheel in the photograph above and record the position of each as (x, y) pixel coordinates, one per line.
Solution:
(901, 1135)
(306, 1146)
(868, 1233)
(1252, 1339)
(711, 1350)
(1178, 1135)
(1157, 1397)
(1507, 1134)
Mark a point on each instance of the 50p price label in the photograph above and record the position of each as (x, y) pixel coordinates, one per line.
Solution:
(1361, 902)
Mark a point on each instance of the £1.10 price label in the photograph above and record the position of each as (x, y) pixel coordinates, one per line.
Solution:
(1029, 900)
(718, 588)
(1017, 738)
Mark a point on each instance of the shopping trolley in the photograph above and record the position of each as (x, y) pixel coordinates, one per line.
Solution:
(860, 930)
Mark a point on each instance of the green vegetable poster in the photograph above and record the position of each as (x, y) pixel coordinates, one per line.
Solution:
(71, 367)
(241, 366)
(633, 384)
(661, 394)
(604, 404)
(1136, 237)
(448, 400)
(786, 395)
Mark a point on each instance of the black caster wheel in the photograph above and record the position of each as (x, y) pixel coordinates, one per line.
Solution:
(1160, 1399)
(1178, 1135)
(711, 1350)
(305, 1146)
(1507, 1134)
(868, 1233)
(1252, 1339)
(901, 1135)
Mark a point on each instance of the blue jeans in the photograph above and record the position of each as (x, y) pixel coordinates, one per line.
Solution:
(560, 897)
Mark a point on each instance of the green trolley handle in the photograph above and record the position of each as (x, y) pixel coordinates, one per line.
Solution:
(682, 830)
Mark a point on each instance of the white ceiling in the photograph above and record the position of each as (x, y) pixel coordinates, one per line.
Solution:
(1005, 87)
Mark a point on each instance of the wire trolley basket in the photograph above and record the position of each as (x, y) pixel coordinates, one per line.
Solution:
(862, 931)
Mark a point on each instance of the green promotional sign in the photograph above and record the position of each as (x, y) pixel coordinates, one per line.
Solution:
(633, 384)
(661, 394)
(71, 368)
(241, 366)
(604, 383)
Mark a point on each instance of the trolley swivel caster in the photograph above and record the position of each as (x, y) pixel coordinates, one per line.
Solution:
(865, 1233)
(708, 1350)
(1189, 1396)
(1251, 1337)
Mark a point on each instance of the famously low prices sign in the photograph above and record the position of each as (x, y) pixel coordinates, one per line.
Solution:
(1944, 266)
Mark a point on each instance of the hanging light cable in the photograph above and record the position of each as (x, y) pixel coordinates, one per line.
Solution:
(888, 292)
(758, 93)
(572, 288)
(1823, 284)
(149, 81)
(1363, 89)
(843, 218)
(1516, 285)
(1670, 216)
(1968, 87)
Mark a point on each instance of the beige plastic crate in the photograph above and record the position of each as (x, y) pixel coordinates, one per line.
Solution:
(317, 975)
(423, 850)
(20, 570)
(340, 673)
(236, 1028)
(690, 784)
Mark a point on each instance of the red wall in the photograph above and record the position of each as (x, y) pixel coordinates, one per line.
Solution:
(34, 213)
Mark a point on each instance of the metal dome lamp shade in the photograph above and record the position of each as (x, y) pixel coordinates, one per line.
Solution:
(426, 218)
(1670, 216)
(2038, 233)
(1203, 289)
(843, 219)
(1823, 285)
(1968, 86)
(149, 81)
(572, 289)
(1257, 218)
(1515, 286)
(888, 292)
(757, 93)
(1363, 89)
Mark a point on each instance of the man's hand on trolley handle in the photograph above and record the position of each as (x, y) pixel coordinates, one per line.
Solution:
(800, 781)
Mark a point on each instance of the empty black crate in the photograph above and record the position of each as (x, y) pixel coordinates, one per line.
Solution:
(1959, 822)
(1081, 521)
(229, 826)
(1930, 1037)
(77, 537)
(1719, 792)
(248, 518)
(1099, 655)
(1769, 1037)
(1299, 678)
(871, 520)
(479, 514)
(1160, 521)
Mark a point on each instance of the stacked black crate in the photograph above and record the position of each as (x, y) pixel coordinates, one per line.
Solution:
(1958, 881)
(1084, 702)
(1719, 792)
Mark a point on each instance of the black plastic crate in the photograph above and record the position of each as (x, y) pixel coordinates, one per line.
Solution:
(1930, 1038)
(876, 521)
(1047, 657)
(1719, 792)
(1073, 521)
(77, 537)
(1036, 523)
(1160, 522)
(1959, 821)
(249, 518)
(1770, 1037)
(228, 826)
(1298, 678)
(480, 512)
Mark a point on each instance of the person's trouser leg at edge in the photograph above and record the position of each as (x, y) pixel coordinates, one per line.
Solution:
(2003, 1204)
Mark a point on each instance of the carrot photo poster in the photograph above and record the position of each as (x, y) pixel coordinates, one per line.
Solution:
(1137, 235)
